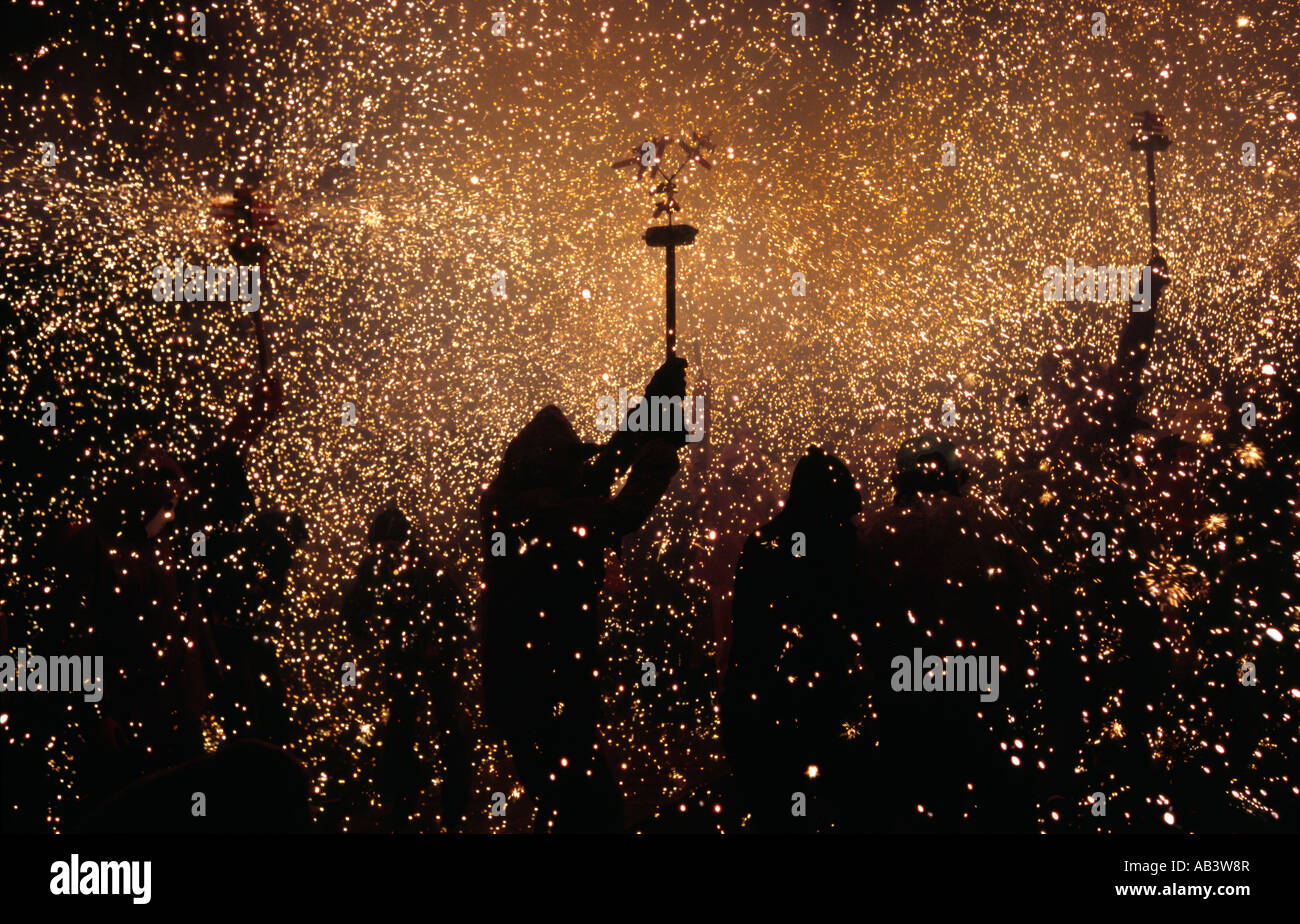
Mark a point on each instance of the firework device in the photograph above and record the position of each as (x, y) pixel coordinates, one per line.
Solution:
(1149, 135)
(670, 236)
(251, 221)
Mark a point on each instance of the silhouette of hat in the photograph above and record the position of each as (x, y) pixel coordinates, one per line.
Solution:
(928, 464)
(918, 450)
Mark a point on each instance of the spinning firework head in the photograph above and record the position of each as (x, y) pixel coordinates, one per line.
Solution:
(649, 157)
(1149, 136)
(1149, 132)
(669, 236)
(252, 222)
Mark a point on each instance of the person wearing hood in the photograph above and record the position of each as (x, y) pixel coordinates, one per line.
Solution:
(789, 701)
(405, 604)
(549, 519)
(949, 577)
(126, 590)
(117, 597)
(1093, 416)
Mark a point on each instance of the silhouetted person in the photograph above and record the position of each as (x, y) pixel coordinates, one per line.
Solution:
(548, 521)
(245, 610)
(791, 699)
(739, 498)
(117, 593)
(404, 600)
(948, 577)
(128, 590)
(1093, 417)
(1086, 478)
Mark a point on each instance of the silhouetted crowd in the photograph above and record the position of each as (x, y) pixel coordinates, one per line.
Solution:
(820, 728)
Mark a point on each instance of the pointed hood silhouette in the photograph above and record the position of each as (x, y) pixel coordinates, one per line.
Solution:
(549, 520)
(544, 454)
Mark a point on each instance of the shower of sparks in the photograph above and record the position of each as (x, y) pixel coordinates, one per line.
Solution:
(479, 153)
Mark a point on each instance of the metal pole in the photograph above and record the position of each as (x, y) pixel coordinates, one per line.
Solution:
(1151, 190)
(671, 293)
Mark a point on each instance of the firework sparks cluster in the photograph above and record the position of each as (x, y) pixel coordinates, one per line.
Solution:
(478, 154)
